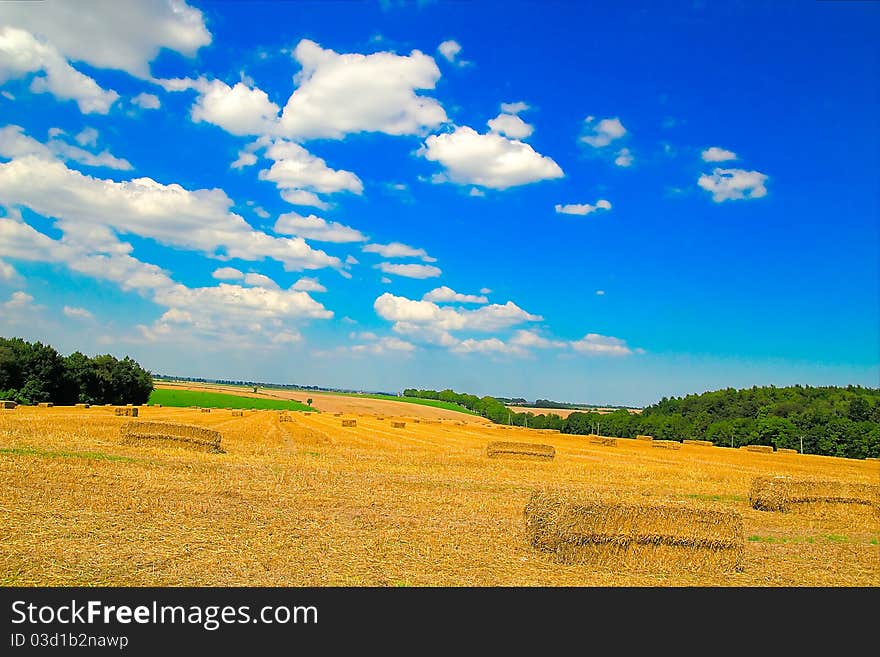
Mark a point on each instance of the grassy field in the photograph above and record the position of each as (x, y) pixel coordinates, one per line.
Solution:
(434, 403)
(186, 398)
(301, 500)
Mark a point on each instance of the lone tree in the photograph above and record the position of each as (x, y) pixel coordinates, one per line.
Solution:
(309, 401)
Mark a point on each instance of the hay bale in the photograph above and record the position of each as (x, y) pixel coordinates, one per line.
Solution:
(168, 433)
(548, 430)
(286, 418)
(431, 422)
(699, 443)
(761, 449)
(872, 458)
(8, 405)
(125, 410)
(608, 533)
(666, 444)
(349, 423)
(640, 437)
(780, 493)
(82, 405)
(785, 450)
(337, 415)
(157, 405)
(398, 425)
(237, 414)
(45, 404)
(205, 410)
(607, 441)
(505, 449)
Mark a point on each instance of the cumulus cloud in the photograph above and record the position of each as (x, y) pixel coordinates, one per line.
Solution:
(340, 94)
(307, 284)
(487, 318)
(514, 108)
(445, 294)
(18, 302)
(582, 208)
(295, 169)
(112, 35)
(602, 133)
(733, 184)
(302, 197)
(7, 272)
(91, 209)
(449, 49)
(398, 250)
(260, 280)
(377, 345)
(532, 339)
(409, 271)
(510, 125)
(87, 137)
(240, 109)
(77, 313)
(624, 158)
(244, 159)
(21, 54)
(716, 154)
(593, 343)
(228, 274)
(147, 101)
(486, 346)
(315, 228)
(488, 160)
(14, 143)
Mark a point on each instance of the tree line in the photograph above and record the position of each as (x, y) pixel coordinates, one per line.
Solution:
(32, 372)
(833, 421)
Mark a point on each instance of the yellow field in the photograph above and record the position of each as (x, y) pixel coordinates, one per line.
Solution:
(307, 502)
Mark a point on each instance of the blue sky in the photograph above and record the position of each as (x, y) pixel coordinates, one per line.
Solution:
(598, 202)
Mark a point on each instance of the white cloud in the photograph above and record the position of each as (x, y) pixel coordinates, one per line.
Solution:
(307, 284)
(427, 313)
(488, 160)
(385, 280)
(485, 290)
(593, 343)
(315, 228)
(260, 280)
(532, 339)
(240, 110)
(7, 272)
(514, 108)
(448, 295)
(582, 208)
(147, 101)
(77, 313)
(21, 54)
(14, 143)
(340, 94)
(510, 125)
(295, 168)
(17, 302)
(302, 197)
(87, 137)
(245, 159)
(449, 49)
(624, 158)
(716, 154)
(90, 209)
(124, 36)
(228, 274)
(351, 260)
(477, 192)
(102, 159)
(382, 345)
(600, 293)
(733, 184)
(398, 250)
(409, 271)
(487, 346)
(602, 133)
(261, 213)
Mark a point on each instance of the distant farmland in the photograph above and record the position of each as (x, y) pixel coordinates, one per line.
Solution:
(186, 398)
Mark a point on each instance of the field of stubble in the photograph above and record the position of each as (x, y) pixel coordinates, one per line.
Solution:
(307, 502)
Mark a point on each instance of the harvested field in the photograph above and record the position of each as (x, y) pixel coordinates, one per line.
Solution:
(606, 533)
(309, 503)
(506, 449)
(169, 433)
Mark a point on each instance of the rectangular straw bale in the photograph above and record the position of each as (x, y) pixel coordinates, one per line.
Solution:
(237, 414)
(206, 410)
(431, 422)
(45, 404)
(506, 449)
(666, 444)
(781, 493)
(761, 449)
(872, 458)
(7, 404)
(640, 437)
(337, 414)
(607, 441)
(619, 535)
(125, 410)
(548, 430)
(82, 405)
(398, 425)
(785, 450)
(170, 433)
(285, 418)
(349, 423)
(700, 443)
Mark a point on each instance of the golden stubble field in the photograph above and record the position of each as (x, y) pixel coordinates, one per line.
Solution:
(307, 502)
